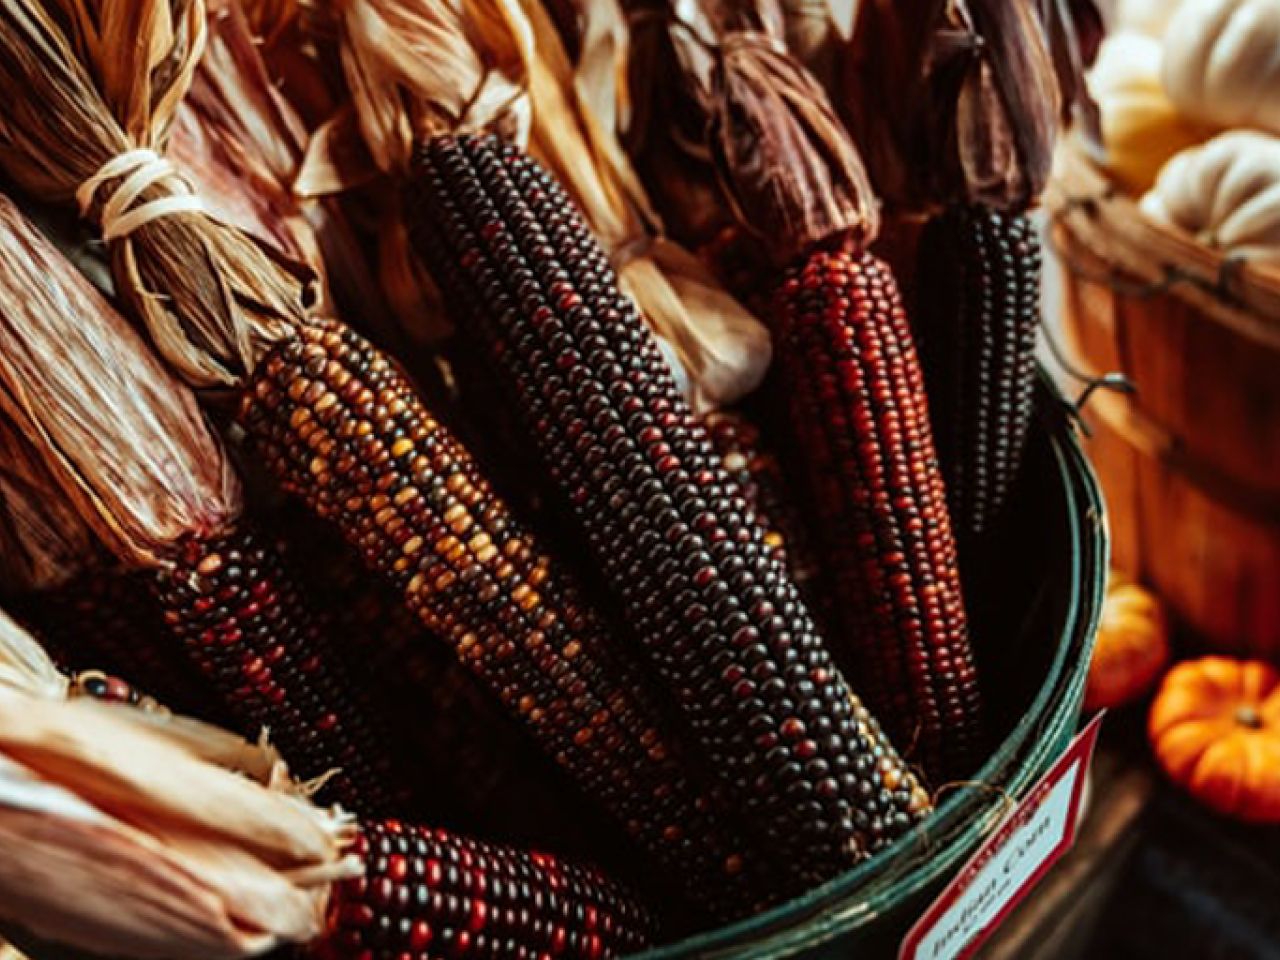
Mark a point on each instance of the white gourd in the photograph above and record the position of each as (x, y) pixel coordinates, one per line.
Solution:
(1222, 62)
(1226, 193)
(1149, 17)
(1141, 129)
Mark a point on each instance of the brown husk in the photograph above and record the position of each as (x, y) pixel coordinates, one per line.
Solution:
(241, 144)
(784, 160)
(43, 541)
(80, 89)
(124, 439)
(977, 105)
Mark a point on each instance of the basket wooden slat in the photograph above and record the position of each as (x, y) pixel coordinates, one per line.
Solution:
(1191, 463)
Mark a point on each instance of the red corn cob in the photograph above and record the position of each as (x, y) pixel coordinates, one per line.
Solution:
(858, 402)
(340, 426)
(427, 894)
(716, 614)
(977, 318)
(244, 622)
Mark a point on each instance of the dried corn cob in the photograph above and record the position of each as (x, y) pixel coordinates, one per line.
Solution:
(134, 455)
(244, 622)
(977, 319)
(340, 426)
(483, 772)
(756, 470)
(97, 685)
(716, 613)
(858, 402)
(428, 894)
(110, 621)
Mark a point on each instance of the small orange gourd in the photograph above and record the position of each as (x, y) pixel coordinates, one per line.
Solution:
(1132, 648)
(1215, 729)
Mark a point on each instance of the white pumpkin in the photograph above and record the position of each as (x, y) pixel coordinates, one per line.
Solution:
(1140, 127)
(1226, 192)
(1222, 62)
(1150, 17)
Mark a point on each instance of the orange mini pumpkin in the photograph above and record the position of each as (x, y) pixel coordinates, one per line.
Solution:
(1215, 728)
(1132, 648)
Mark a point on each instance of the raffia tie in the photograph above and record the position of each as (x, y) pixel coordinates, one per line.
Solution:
(140, 169)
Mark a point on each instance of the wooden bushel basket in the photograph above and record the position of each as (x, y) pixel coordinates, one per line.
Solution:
(1190, 464)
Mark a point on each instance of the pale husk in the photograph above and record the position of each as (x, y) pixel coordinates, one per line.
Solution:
(124, 439)
(44, 543)
(168, 853)
(24, 665)
(88, 80)
(241, 144)
(417, 68)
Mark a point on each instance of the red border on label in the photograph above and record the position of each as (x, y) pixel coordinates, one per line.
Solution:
(1080, 749)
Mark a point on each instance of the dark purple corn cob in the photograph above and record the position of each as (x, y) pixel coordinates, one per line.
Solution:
(339, 425)
(977, 320)
(480, 771)
(110, 621)
(745, 456)
(245, 623)
(717, 616)
(858, 404)
(428, 894)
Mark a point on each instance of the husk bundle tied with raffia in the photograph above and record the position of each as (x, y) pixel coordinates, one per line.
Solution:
(87, 120)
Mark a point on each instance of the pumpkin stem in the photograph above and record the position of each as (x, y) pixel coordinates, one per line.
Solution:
(1247, 716)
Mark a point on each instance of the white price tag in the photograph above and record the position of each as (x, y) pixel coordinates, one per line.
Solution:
(1010, 862)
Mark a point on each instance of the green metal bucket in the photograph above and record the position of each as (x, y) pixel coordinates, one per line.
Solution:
(1038, 614)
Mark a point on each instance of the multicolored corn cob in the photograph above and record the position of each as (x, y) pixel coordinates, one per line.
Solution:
(245, 623)
(339, 425)
(481, 772)
(745, 456)
(109, 620)
(858, 405)
(977, 319)
(427, 894)
(717, 616)
(96, 685)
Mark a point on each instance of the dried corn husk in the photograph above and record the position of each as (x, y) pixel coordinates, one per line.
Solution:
(176, 838)
(43, 541)
(525, 88)
(81, 91)
(978, 95)
(241, 144)
(244, 146)
(782, 158)
(669, 79)
(124, 439)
